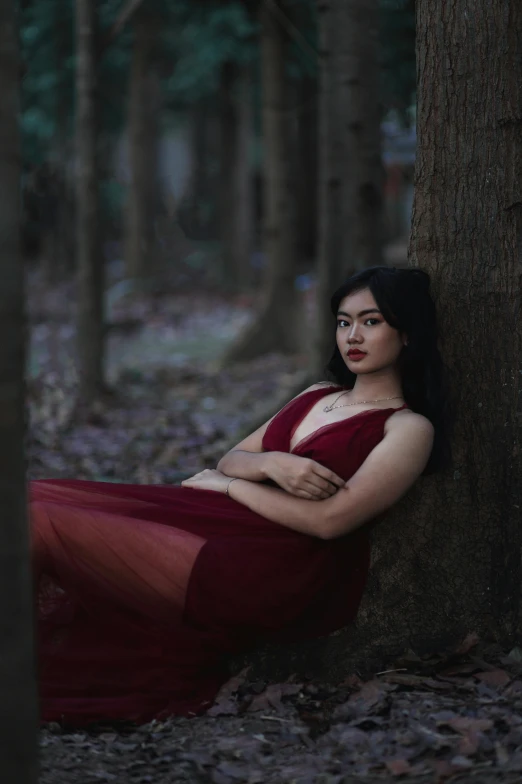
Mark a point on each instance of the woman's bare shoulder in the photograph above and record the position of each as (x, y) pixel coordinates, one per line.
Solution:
(318, 385)
(405, 418)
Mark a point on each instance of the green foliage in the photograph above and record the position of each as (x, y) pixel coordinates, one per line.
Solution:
(46, 38)
(304, 44)
(199, 40)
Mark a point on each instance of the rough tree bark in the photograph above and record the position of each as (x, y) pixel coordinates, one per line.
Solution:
(447, 560)
(350, 168)
(90, 328)
(18, 705)
(143, 194)
(275, 327)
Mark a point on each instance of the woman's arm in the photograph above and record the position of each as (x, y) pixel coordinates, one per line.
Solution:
(296, 475)
(247, 460)
(385, 476)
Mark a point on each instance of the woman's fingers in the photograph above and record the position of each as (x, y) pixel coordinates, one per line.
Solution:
(317, 492)
(322, 485)
(328, 476)
(312, 488)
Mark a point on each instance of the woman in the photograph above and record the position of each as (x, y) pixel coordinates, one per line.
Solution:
(146, 589)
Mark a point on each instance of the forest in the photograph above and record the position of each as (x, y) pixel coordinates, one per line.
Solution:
(184, 184)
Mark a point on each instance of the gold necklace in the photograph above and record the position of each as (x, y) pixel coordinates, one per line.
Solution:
(358, 403)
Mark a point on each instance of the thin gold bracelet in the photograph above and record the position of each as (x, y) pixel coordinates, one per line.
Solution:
(232, 480)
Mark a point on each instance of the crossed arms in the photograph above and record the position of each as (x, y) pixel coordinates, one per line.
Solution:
(313, 500)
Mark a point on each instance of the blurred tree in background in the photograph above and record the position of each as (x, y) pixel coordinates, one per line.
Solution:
(18, 706)
(350, 165)
(89, 260)
(205, 155)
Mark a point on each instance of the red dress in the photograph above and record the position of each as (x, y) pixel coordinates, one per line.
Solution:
(147, 589)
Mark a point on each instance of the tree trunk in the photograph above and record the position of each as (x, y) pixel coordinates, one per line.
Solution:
(350, 168)
(467, 232)
(18, 706)
(446, 560)
(141, 250)
(243, 228)
(58, 241)
(306, 149)
(194, 207)
(228, 145)
(89, 257)
(275, 327)
(236, 197)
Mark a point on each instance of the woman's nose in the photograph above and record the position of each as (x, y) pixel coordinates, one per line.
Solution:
(353, 334)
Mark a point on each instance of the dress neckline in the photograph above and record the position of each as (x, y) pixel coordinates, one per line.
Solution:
(339, 422)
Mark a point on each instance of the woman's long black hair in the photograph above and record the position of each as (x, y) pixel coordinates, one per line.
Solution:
(404, 299)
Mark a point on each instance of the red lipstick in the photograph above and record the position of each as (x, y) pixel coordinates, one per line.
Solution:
(356, 355)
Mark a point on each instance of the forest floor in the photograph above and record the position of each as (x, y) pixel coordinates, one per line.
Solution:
(455, 717)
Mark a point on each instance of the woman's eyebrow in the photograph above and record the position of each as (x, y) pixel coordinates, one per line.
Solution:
(361, 313)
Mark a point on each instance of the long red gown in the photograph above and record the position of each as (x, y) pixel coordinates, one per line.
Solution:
(147, 589)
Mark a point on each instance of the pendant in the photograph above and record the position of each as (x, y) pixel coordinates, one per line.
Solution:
(327, 409)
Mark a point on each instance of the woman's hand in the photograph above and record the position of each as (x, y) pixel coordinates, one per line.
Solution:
(301, 476)
(209, 479)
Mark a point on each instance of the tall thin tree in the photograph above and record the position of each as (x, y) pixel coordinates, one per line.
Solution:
(236, 182)
(90, 327)
(144, 106)
(18, 703)
(275, 327)
(350, 168)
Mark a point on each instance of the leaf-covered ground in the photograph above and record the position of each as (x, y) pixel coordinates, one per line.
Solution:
(169, 411)
(448, 718)
(453, 717)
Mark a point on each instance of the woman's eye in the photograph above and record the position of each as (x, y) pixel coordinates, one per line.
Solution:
(371, 322)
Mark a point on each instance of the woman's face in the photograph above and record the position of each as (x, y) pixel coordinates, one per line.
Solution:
(366, 341)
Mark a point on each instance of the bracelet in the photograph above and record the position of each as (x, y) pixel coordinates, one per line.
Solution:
(232, 480)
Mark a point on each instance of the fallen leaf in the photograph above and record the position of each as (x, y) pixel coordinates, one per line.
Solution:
(501, 753)
(398, 767)
(468, 643)
(513, 689)
(470, 730)
(434, 740)
(443, 770)
(463, 723)
(417, 681)
(370, 693)
(272, 696)
(466, 668)
(460, 761)
(469, 743)
(233, 684)
(408, 659)
(352, 682)
(228, 707)
(495, 678)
